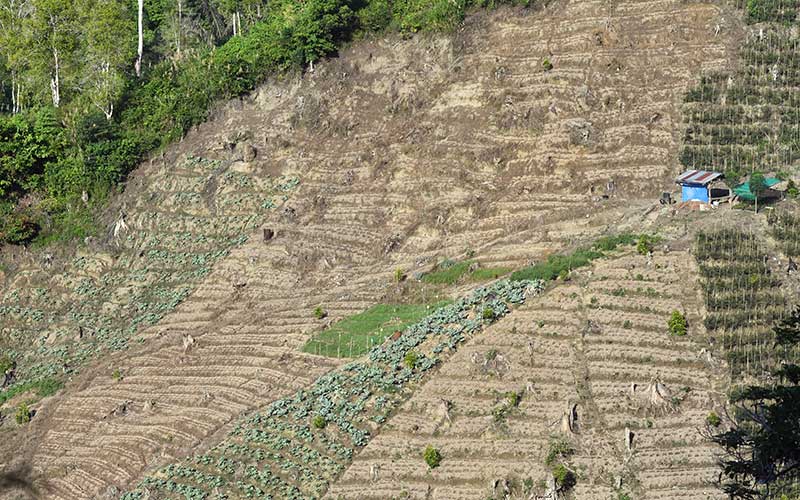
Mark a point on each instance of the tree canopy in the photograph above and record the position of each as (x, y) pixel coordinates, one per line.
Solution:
(762, 444)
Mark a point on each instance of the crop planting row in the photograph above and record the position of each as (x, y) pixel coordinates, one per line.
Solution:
(170, 243)
(785, 227)
(742, 296)
(298, 445)
(749, 119)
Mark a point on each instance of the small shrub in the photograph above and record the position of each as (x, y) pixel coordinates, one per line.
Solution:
(6, 363)
(17, 228)
(791, 189)
(623, 496)
(116, 375)
(491, 354)
(319, 422)
(644, 245)
(411, 359)
(527, 486)
(559, 448)
(319, 312)
(563, 275)
(432, 457)
(627, 324)
(564, 477)
(514, 398)
(713, 419)
(399, 275)
(547, 65)
(618, 292)
(23, 415)
(677, 324)
(488, 313)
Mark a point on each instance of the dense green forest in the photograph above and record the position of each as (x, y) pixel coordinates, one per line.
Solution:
(89, 87)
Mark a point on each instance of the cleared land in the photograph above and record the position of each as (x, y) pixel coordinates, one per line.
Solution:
(407, 152)
(579, 344)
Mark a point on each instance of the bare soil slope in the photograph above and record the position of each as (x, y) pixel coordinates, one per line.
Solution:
(405, 151)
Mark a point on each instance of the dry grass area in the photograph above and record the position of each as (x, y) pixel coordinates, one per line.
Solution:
(406, 151)
(584, 344)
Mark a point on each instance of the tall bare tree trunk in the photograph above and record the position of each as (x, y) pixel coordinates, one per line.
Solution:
(55, 84)
(180, 24)
(15, 88)
(138, 65)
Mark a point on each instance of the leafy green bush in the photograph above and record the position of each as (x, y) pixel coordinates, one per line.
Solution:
(16, 227)
(429, 15)
(547, 65)
(514, 398)
(713, 419)
(559, 448)
(677, 324)
(564, 477)
(6, 363)
(375, 16)
(319, 422)
(410, 359)
(488, 313)
(319, 312)
(644, 245)
(116, 375)
(23, 414)
(432, 457)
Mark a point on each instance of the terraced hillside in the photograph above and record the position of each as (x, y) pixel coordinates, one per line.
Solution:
(746, 119)
(405, 151)
(597, 346)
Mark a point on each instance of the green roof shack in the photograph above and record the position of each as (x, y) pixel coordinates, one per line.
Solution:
(742, 191)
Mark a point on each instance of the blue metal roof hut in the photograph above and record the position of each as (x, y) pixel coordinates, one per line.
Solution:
(696, 185)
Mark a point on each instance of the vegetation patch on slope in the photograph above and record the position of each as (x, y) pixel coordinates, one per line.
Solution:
(560, 265)
(298, 445)
(744, 299)
(357, 334)
(449, 272)
(85, 143)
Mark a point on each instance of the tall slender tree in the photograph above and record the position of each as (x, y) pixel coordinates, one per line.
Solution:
(14, 15)
(140, 47)
(108, 32)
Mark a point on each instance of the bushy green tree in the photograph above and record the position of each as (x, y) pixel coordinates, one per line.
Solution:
(762, 443)
(757, 186)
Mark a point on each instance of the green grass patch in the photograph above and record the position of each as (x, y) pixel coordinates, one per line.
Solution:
(555, 265)
(43, 388)
(354, 336)
(489, 273)
(447, 272)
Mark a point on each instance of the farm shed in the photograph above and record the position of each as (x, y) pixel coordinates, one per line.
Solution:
(744, 193)
(696, 185)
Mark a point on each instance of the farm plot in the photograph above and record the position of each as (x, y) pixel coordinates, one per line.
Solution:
(785, 228)
(409, 151)
(297, 445)
(582, 348)
(748, 119)
(162, 247)
(743, 297)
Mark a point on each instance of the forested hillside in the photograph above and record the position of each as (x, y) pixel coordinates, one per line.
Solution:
(90, 87)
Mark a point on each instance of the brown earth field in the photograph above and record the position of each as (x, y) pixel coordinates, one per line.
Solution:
(398, 153)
